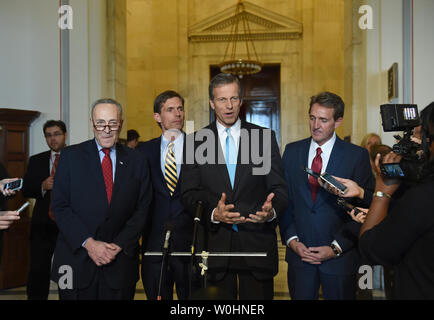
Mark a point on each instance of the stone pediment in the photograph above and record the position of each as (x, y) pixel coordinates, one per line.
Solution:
(264, 25)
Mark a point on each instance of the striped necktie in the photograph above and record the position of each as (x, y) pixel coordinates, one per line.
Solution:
(170, 169)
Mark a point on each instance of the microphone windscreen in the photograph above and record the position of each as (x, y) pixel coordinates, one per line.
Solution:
(169, 226)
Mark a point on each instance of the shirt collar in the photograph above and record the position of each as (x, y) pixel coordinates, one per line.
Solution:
(326, 147)
(235, 129)
(165, 141)
(100, 147)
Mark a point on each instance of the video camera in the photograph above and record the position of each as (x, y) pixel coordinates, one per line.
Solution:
(403, 117)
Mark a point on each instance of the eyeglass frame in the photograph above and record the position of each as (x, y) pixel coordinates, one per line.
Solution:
(105, 126)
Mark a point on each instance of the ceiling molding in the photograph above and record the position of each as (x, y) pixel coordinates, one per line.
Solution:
(264, 25)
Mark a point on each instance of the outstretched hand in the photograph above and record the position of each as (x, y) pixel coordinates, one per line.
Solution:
(222, 212)
(266, 214)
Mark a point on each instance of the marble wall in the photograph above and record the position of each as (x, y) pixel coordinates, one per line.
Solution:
(160, 56)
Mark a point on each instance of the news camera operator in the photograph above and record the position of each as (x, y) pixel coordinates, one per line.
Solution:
(403, 235)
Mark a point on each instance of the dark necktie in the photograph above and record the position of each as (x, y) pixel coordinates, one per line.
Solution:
(53, 172)
(316, 167)
(107, 171)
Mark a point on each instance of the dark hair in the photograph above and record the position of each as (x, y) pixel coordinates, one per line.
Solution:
(105, 100)
(221, 79)
(132, 135)
(163, 97)
(55, 123)
(329, 100)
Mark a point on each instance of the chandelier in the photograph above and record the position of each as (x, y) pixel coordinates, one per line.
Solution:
(231, 63)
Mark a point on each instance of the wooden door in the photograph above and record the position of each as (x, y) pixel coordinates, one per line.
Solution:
(14, 152)
(261, 104)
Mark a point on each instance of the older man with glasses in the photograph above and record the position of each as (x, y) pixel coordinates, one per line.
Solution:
(100, 202)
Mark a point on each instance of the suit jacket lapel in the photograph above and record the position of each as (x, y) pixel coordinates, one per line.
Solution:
(121, 168)
(304, 157)
(221, 164)
(242, 169)
(95, 168)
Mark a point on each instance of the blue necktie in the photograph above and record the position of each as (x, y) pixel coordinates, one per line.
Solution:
(231, 161)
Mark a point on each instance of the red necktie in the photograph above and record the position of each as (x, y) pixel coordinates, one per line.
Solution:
(107, 171)
(53, 172)
(316, 167)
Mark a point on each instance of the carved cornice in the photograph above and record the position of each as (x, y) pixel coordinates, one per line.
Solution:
(264, 24)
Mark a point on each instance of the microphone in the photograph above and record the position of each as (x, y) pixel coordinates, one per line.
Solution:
(169, 228)
(199, 210)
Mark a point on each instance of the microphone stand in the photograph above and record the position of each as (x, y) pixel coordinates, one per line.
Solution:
(162, 269)
(165, 253)
(197, 218)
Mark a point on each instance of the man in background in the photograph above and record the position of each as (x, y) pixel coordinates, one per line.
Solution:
(164, 155)
(38, 184)
(132, 139)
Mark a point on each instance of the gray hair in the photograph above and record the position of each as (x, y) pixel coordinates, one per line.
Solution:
(222, 79)
(105, 100)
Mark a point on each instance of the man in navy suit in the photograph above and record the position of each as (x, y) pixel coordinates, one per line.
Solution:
(321, 238)
(38, 184)
(166, 204)
(100, 202)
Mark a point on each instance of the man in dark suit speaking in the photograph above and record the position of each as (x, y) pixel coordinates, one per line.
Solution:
(321, 237)
(100, 202)
(242, 193)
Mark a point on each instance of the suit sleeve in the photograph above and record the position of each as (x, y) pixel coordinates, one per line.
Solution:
(32, 185)
(129, 235)
(393, 238)
(347, 236)
(275, 180)
(70, 225)
(286, 219)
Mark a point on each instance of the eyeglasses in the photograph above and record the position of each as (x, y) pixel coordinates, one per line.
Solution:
(56, 134)
(111, 126)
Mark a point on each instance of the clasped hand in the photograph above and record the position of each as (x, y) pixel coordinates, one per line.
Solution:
(222, 212)
(100, 252)
(312, 255)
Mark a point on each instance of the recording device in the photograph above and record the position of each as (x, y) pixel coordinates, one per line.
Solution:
(325, 177)
(25, 205)
(392, 170)
(403, 117)
(348, 207)
(14, 185)
(333, 182)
